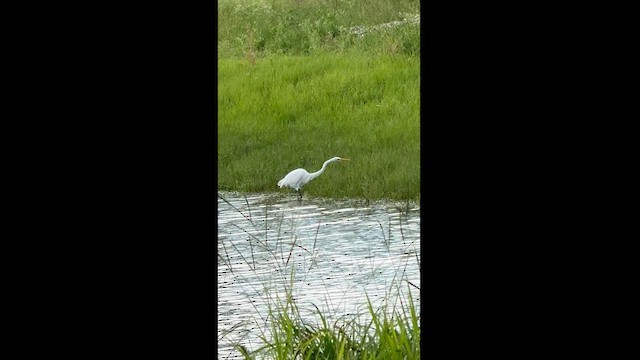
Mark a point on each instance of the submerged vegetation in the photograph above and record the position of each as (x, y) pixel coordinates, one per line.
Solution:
(302, 81)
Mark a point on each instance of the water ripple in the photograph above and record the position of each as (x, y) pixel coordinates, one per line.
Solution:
(338, 252)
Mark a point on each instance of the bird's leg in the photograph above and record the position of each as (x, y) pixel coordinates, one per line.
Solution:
(299, 194)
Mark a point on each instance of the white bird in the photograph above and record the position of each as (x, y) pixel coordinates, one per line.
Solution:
(300, 177)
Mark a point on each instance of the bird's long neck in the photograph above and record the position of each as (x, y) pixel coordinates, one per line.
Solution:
(317, 173)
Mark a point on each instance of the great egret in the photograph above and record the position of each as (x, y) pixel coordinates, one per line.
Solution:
(300, 177)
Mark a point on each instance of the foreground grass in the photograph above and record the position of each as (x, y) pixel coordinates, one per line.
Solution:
(286, 112)
(384, 336)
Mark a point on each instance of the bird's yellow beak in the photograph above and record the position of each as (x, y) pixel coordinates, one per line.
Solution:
(345, 159)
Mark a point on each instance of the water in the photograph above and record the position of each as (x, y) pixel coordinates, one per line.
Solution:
(330, 252)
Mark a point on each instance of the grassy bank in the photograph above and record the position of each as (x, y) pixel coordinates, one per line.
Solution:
(293, 111)
(297, 86)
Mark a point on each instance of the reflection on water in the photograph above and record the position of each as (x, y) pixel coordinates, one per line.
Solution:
(331, 252)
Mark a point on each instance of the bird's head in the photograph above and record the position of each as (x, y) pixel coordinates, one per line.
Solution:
(340, 159)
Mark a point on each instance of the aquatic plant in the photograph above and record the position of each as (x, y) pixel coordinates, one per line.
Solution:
(385, 336)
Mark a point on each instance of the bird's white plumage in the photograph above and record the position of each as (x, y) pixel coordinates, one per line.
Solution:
(295, 179)
(299, 177)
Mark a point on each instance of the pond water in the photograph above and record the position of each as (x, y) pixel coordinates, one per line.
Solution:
(329, 253)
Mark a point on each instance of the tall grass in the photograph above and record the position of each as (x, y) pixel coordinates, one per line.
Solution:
(384, 336)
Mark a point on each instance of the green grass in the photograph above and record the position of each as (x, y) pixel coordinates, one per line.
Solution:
(305, 26)
(389, 334)
(297, 87)
(365, 108)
